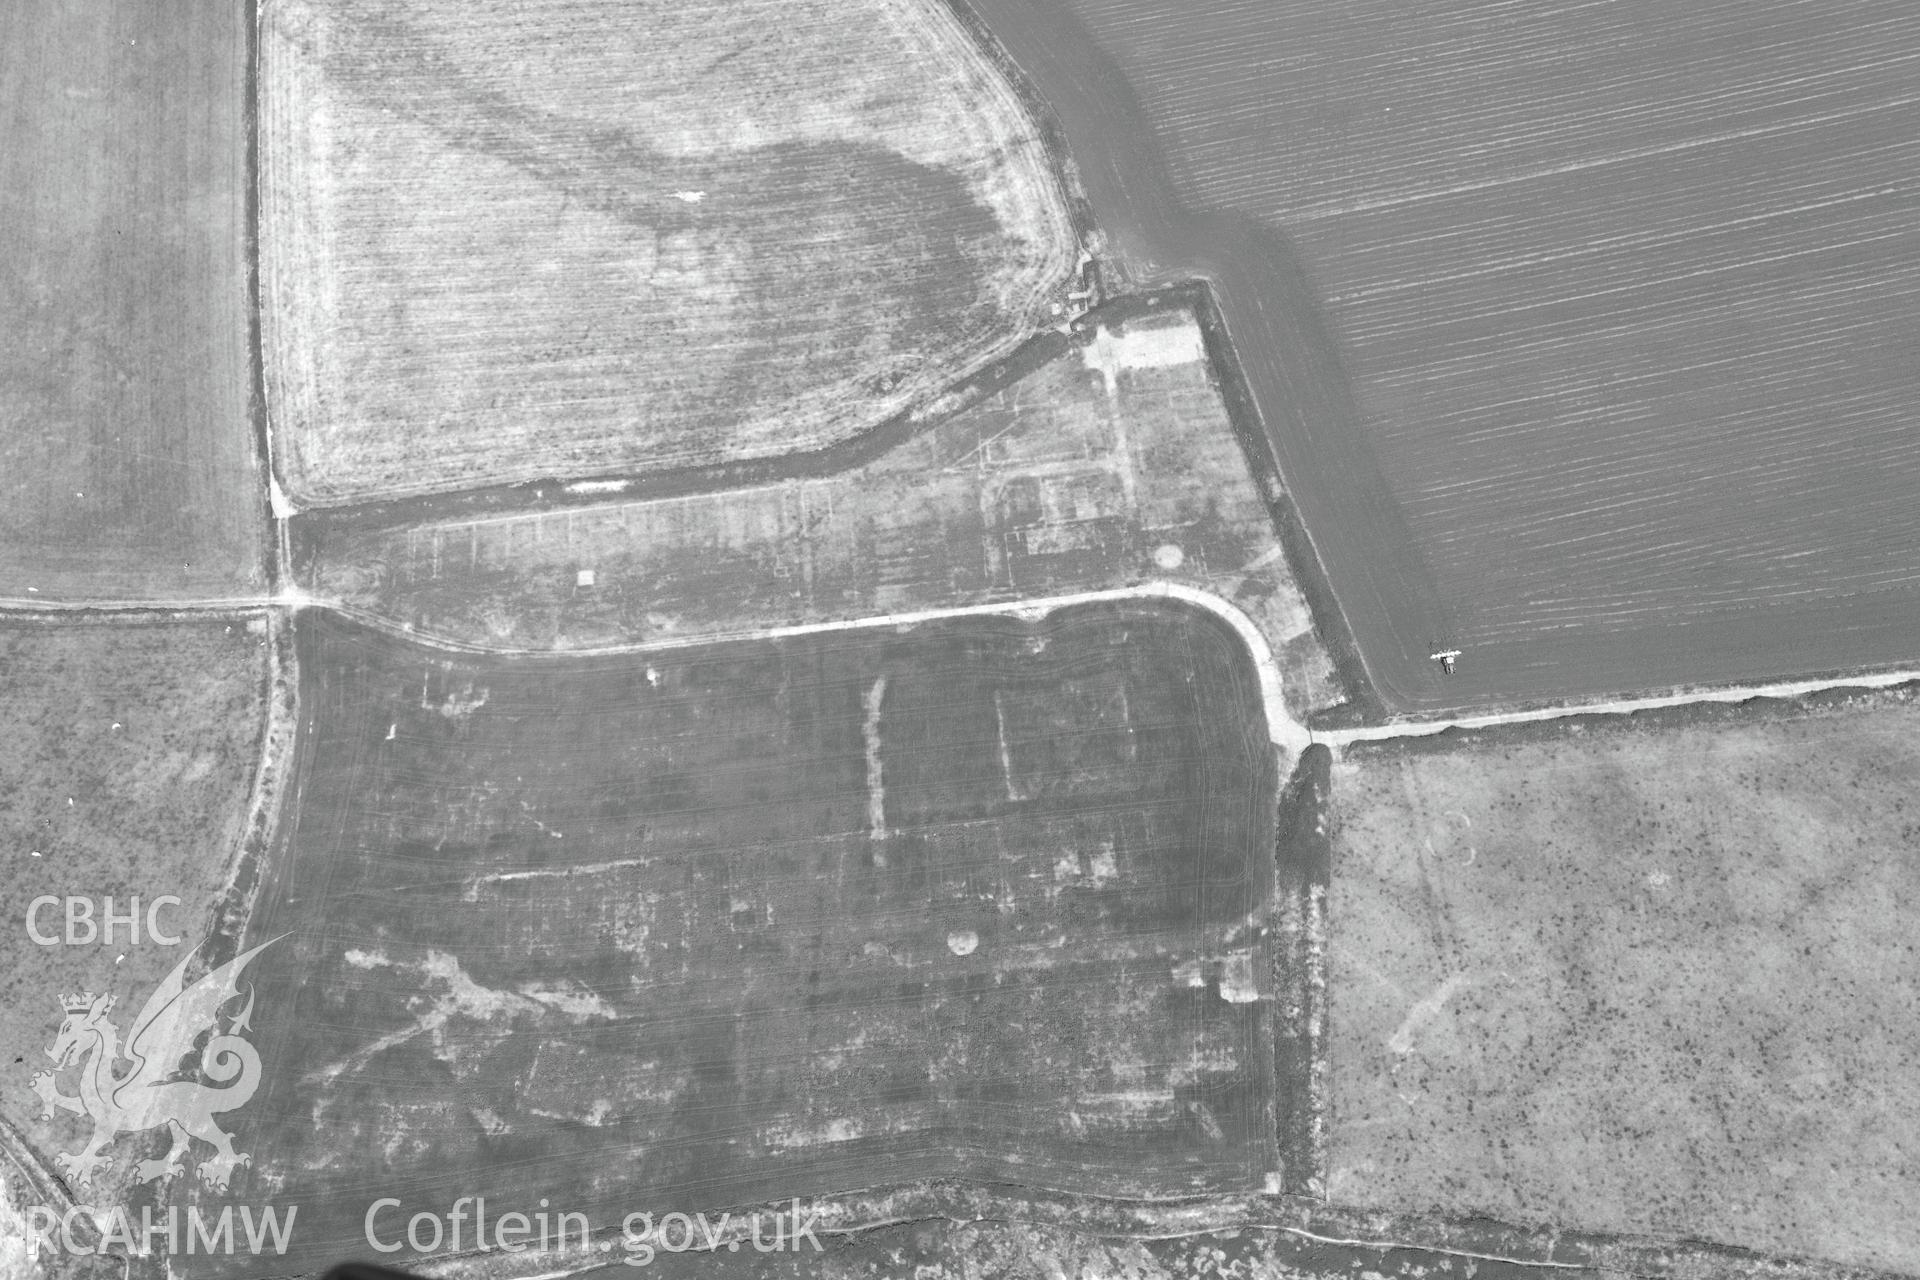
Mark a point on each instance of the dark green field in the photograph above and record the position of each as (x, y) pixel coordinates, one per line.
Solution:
(620, 932)
(126, 453)
(1583, 333)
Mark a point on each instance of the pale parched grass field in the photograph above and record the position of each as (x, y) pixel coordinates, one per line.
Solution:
(503, 243)
(1654, 977)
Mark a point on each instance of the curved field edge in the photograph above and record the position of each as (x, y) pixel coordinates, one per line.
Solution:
(944, 799)
(927, 232)
(1283, 730)
(1115, 461)
(132, 771)
(1207, 125)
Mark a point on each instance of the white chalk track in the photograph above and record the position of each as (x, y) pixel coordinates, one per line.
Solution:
(1284, 731)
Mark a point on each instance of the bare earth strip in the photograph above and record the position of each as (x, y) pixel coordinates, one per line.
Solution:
(1652, 974)
(504, 243)
(935, 1230)
(126, 770)
(1113, 466)
(127, 462)
(988, 1237)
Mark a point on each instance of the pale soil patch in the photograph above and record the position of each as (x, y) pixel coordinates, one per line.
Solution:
(126, 770)
(504, 242)
(1654, 977)
(1143, 347)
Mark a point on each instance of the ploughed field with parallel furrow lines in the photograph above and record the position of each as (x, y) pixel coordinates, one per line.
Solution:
(1489, 91)
(1700, 403)
(504, 243)
(127, 460)
(1626, 294)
